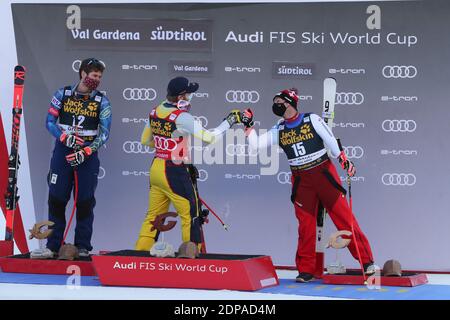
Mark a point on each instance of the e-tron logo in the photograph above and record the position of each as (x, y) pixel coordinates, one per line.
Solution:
(201, 94)
(239, 96)
(399, 179)
(399, 72)
(243, 69)
(136, 147)
(202, 175)
(135, 173)
(135, 120)
(349, 98)
(145, 67)
(347, 71)
(77, 63)
(284, 177)
(354, 152)
(144, 94)
(399, 125)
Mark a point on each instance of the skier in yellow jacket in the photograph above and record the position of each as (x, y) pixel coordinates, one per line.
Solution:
(169, 126)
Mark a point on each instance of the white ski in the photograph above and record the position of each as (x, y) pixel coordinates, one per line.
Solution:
(329, 96)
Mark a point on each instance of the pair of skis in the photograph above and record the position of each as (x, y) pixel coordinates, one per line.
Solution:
(11, 196)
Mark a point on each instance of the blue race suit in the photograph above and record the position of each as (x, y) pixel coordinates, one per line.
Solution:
(90, 114)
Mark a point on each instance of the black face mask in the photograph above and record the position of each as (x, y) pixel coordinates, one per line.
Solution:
(279, 109)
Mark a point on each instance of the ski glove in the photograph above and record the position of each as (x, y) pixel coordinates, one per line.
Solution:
(234, 117)
(77, 158)
(247, 118)
(71, 141)
(346, 164)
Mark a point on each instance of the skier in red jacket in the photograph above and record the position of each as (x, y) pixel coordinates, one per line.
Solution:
(305, 138)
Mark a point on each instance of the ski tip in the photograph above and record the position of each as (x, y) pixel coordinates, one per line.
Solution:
(19, 75)
(19, 68)
(329, 79)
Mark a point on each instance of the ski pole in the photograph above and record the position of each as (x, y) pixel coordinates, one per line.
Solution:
(215, 215)
(75, 196)
(352, 217)
(349, 184)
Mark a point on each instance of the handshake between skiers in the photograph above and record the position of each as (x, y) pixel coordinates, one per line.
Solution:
(247, 119)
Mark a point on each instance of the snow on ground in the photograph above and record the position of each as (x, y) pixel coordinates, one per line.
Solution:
(58, 292)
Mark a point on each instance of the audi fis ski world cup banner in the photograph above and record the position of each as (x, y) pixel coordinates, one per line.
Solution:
(391, 113)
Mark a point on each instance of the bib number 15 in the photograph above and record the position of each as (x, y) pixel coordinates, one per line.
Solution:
(299, 149)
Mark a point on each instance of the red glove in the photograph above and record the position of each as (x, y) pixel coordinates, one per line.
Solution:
(70, 140)
(347, 164)
(77, 158)
(247, 118)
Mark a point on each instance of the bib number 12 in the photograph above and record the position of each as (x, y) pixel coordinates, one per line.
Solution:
(78, 121)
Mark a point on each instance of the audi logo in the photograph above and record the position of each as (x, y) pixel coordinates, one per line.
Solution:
(202, 175)
(77, 63)
(284, 177)
(147, 94)
(101, 173)
(166, 144)
(398, 179)
(354, 152)
(397, 72)
(349, 98)
(399, 125)
(239, 150)
(136, 147)
(238, 96)
(203, 120)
